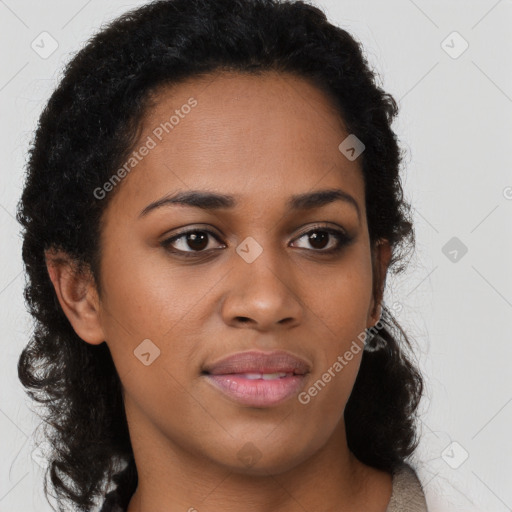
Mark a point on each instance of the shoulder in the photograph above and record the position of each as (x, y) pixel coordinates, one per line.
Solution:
(407, 494)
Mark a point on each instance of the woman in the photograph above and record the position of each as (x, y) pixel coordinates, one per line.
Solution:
(211, 208)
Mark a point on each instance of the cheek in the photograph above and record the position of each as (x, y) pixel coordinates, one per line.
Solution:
(153, 320)
(339, 309)
(142, 298)
(339, 299)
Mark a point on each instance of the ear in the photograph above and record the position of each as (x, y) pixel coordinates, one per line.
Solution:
(77, 294)
(381, 256)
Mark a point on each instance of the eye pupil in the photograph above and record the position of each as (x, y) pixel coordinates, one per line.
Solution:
(197, 237)
(314, 238)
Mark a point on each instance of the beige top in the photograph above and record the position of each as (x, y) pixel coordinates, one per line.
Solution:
(407, 494)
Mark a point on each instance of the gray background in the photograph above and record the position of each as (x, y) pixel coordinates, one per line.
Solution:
(455, 123)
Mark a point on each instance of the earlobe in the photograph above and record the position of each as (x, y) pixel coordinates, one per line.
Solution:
(77, 295)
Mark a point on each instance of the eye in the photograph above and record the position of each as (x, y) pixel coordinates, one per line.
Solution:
(320, 237)
(194, 242)
(197, 240)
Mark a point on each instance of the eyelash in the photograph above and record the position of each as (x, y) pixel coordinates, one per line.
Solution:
(342, 241)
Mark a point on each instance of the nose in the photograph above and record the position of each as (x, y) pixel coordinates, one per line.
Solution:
(262, 295)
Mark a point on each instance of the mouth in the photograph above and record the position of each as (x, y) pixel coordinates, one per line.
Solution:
(258, 379)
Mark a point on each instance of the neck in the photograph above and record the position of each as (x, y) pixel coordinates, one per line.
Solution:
(173, 479)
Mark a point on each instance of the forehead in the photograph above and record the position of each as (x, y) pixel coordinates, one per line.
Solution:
(262, 136)
(248, 99)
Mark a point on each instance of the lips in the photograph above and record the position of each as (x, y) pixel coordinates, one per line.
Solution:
(258, 379)
(253, 362)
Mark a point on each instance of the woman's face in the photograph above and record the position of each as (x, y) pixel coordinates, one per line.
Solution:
(258, 283)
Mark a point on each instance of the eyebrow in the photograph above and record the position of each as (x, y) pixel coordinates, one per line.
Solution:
(215, 201)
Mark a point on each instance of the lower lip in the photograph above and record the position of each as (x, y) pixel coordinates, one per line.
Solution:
(258, 392)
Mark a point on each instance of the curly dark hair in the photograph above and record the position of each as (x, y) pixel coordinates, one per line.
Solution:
(87, 129)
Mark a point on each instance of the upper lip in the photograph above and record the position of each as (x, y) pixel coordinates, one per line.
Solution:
(259, 362)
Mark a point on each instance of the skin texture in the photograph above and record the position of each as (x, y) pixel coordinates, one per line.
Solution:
(260, 139)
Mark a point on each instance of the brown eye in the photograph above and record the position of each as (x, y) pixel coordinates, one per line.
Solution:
(195, 242)
(198, 240)
(189, 242)
(319, 238)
